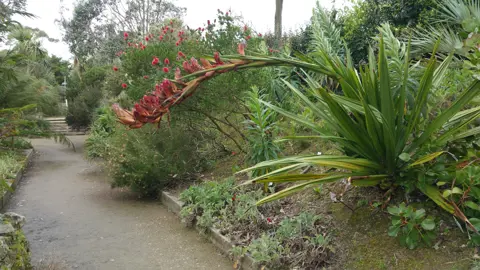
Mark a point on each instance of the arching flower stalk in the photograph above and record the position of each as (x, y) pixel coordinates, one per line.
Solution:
(153, 106)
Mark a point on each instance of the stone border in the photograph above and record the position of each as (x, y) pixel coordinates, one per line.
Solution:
(213, 235)
(13, 184)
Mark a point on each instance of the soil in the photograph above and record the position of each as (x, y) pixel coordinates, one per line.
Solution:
(75, 219)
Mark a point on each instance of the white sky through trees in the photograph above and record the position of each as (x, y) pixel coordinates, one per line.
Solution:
(258, 13)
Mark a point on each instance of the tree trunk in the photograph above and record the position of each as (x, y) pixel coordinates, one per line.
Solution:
(278, 21)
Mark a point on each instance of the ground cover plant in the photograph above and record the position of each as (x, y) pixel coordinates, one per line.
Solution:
(267, 233)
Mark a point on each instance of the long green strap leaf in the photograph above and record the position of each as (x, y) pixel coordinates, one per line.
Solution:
(440, 120)
(291, 190)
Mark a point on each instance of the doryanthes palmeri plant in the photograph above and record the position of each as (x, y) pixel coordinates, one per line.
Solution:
(388, 140)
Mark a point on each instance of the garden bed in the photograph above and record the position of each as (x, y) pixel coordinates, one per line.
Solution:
(355, 229)
(12, 166)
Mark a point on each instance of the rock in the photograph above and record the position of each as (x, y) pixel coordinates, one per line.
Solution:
(17, 220)
(4, 249)
(6, 229)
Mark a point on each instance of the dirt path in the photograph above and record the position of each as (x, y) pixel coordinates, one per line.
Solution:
(74, 217)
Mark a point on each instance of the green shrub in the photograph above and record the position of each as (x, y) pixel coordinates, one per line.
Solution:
(145, 160)
(261, 127)
(84, 94)
(411, 226)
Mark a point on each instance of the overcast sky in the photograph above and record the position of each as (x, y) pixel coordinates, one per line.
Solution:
(259, 13)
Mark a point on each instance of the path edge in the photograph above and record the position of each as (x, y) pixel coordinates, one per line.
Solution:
(213, 235)
(5, 198)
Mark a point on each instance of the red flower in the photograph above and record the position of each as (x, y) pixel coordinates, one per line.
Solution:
(181, 54)
(171, 30)
(234, 197)
(166, 61)
(199, 29)
(226, 13)
(166, 70)
(269, 220)
(155, 61)
(177, 43)
(171, 22)
(208, 22)
(245, 28)
(129, 44)
(260, 34)
(241, 48)
(146, 38)
(161, 38)
(125, 35)
(115, 68)
(145, 77)
(216, 56)
(234, 153)
(124, 85)
(248, 37)
(203, 29)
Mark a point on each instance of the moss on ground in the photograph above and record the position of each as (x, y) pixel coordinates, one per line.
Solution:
(366, 245)
(14, 249)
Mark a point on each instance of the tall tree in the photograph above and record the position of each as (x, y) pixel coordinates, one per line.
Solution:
(278, 20)
(94, 30)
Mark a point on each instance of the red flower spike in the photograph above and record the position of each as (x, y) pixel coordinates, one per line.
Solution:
(146, 38)
(125, 35)
(129, 44)
(145, 77)
(260, 34)
(115, 68)
(171, 22)
(203, 29)
(269, 220)
(166, 70)
(208, 22)
(248, 37)
(216, 55)
(171, 31)
(241, 48)
(178, 74)
(226, 13)
(181, 54)
(124, 85)
(166, 61)
(155, 61)
(161, 38)
(234, 197)
(245, 28)
(177, 43)
(205, 64)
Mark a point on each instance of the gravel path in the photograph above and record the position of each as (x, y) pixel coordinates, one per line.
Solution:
(75, 218)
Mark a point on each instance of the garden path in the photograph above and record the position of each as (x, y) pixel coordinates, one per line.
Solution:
(75, 218)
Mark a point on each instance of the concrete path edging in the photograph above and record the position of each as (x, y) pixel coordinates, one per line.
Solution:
(5, 198)
(213, 235)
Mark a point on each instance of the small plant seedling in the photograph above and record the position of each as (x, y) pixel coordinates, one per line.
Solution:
(411, 226)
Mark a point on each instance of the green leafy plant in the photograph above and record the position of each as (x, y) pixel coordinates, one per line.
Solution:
(411, 226)
(204, 203)
(261, 131)
(298, 239)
